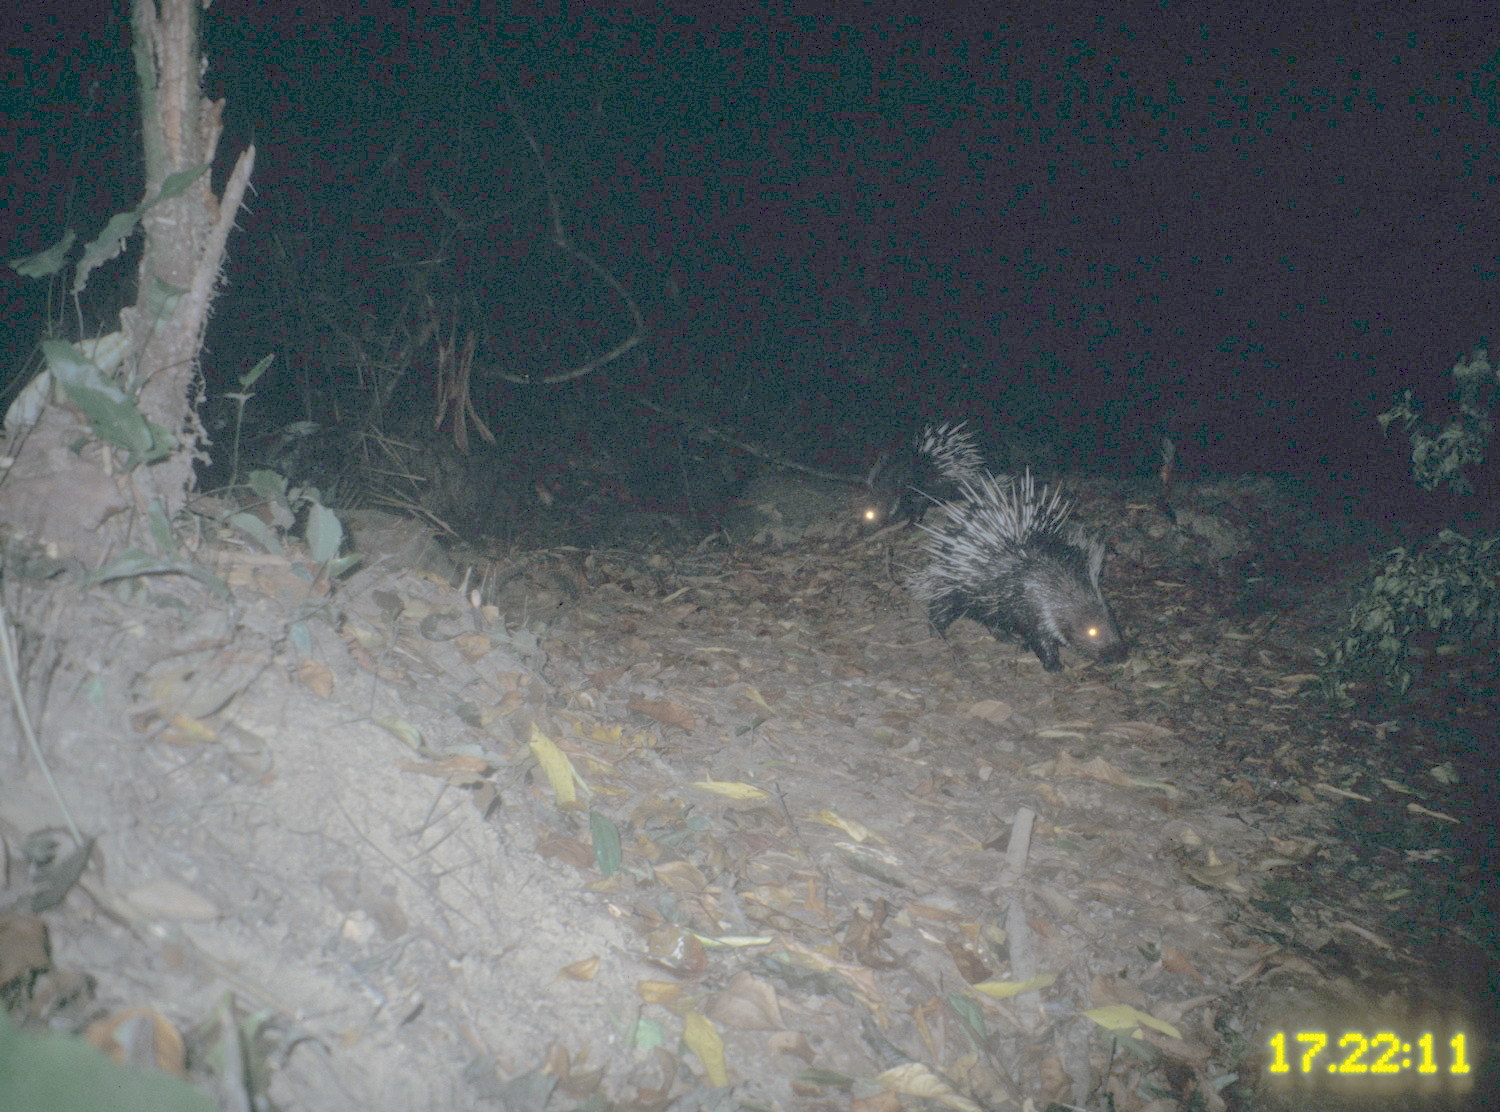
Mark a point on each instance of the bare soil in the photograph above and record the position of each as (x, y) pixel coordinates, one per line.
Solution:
(621, 829)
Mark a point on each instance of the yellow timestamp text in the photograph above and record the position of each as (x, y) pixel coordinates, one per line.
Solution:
(1357, 1054)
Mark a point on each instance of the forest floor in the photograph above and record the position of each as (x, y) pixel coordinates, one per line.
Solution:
(731, 828)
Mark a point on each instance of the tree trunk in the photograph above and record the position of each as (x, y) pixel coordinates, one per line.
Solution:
(91, 503)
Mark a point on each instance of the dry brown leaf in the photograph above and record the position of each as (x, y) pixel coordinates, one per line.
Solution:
(473, 646)
(167, 899)
(993, 711)
(585, 970)
(605, 678)
(665, 711)
(1106, 989)
(791, 1042)
(185, 731)
(676, 951)
(1174, 960)
(140, 1037)
(558, 1061)
(654, 1077)
(681, 876)
(933, 913)
(578, 854)
(883, 1101)
(866, 936)
(659, 992)
(971, 966)
(1052, 1076)
(316, 678)
(459, 769)
(746, 1004)
(24, 949)
(1096, 769)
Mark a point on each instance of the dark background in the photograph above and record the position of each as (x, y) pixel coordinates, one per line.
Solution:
(1082, 230)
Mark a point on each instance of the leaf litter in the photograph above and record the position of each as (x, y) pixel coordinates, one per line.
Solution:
(740, 823)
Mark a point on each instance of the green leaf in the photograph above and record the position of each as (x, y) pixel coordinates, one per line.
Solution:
(324, 533)
(606, 837)
(111, 412)
(161, 528)
(268, 485)
(54, 1073)
(176, 184)
(337, 568)
(161, 299)
(258, 530)
(46, 263)
(134, 562)
(109, 243)
(247, 379)
(301, 638)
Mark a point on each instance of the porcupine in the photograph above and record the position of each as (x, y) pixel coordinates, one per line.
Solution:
(930, 470)
(1007, 558)
(780, 508)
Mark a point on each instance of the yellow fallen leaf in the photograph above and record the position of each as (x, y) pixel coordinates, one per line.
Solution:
(703, 1040)
(734, 941)
(855, 830)
(402, 730)
(915, 1079)
(560, 772)
(757, 698)
(1121, 1017)
(1004, 990)
(734, 789)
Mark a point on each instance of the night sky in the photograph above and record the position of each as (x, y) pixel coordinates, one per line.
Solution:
(1244, 230)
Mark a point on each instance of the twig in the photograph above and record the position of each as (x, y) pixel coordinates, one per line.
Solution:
(8, 650)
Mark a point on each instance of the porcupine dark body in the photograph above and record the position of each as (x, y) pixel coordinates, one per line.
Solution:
(931, 469)
(1007, 558)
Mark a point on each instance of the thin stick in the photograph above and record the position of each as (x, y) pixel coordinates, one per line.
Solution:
(8, 650)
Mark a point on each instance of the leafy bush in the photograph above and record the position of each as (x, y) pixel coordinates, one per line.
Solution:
(1448, 591)
(1450, 588)
(1439, 455)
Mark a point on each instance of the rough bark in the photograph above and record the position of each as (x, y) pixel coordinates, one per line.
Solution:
(82, 502)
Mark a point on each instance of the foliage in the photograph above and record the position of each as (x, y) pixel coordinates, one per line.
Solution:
(1440, 455)
(112, 412)
(1450, 588)
(52, 1073)
(324, 533)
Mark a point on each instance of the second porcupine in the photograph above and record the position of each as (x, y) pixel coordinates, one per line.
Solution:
(1007, 558)
(931, 469)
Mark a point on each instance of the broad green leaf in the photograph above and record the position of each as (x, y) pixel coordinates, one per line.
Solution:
(177, 183)
(109, 243)
(55, 1073)
(324, 533)
(111, 412)
(46, 263)
(606, 837)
